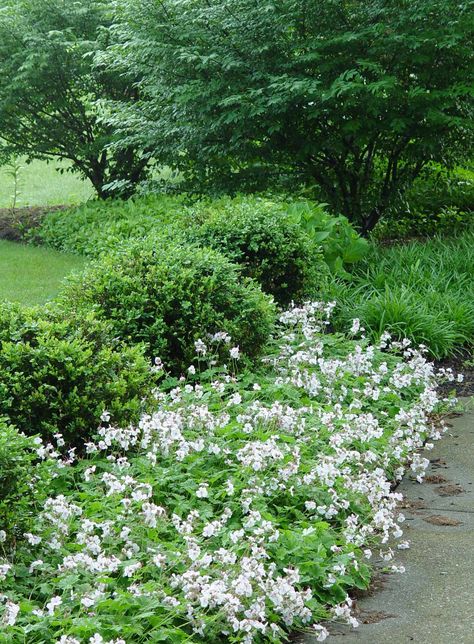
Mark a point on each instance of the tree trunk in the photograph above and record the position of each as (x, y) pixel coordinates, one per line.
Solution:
(370, 222)
(96, 175)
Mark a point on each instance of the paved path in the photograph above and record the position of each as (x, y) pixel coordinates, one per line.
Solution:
(433, 601)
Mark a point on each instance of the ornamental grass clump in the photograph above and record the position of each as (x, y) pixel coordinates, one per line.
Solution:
(240, 508)
(168, 294)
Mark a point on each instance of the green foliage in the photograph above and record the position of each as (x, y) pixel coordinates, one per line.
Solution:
(99, 226)
(257, 235)
(439, 202)
(22, 481)
(52, 95)
(168, 295)
(261, 234)
(353, 97)
(415, 223)
(59, 375)
(438, 189)
(341, 244)
(14, 172)
(422, 291)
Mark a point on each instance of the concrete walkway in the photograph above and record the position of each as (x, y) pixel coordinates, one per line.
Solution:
(433, 601)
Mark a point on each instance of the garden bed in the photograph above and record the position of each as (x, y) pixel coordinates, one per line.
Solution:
(239, 508)
(14, 222)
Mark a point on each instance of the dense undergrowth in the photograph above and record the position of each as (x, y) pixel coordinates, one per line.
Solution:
(240, 507)
(422, 289)
(439, 202)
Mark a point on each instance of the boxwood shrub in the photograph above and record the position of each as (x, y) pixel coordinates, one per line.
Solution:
(59, 375)
(168, 295)
(256, 234)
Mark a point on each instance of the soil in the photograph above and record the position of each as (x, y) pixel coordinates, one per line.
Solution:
(458, 365)
(437, 463)
(15, 222)
(412, 504)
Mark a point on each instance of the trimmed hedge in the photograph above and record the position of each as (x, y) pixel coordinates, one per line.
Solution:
(60, 375)
(257, 235)
(168, 296)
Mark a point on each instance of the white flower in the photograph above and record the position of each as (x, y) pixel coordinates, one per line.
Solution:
(221, 336)
(235, 353)
(35, 564)
(159, 560)
(96, 639)
(60, 442)
(203, 491)
(89, 472)
(192, 370)
(130, 570)
(10, 614)
(210, 529)
(235, 399)
(403, 545)
(201, 348)
(53, 604)
(3, 536)
(4, 570)
(33, 539)
(322, 633)
(356, 327)
(105, 416)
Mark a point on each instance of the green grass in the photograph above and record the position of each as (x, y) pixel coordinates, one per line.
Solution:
(40, 184)
(420, 290)
(32, 275)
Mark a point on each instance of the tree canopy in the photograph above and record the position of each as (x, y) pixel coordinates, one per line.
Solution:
(356, 97)
(53, 97)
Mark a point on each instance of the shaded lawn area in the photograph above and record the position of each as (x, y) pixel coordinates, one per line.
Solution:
(31, 275)
(39, 184)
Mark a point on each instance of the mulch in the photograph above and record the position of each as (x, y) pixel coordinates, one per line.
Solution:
(15, 222)
(459, 366)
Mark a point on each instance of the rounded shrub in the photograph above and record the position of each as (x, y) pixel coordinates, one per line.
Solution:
(168, 295)
(257, 235)
(60, 375)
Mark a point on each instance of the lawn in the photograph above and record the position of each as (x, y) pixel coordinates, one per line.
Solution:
(32, 275)
(40, 184)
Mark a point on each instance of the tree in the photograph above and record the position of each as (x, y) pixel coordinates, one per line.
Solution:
(356, 96)
(53, 97)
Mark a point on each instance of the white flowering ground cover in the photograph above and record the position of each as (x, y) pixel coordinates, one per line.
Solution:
(241, 508)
